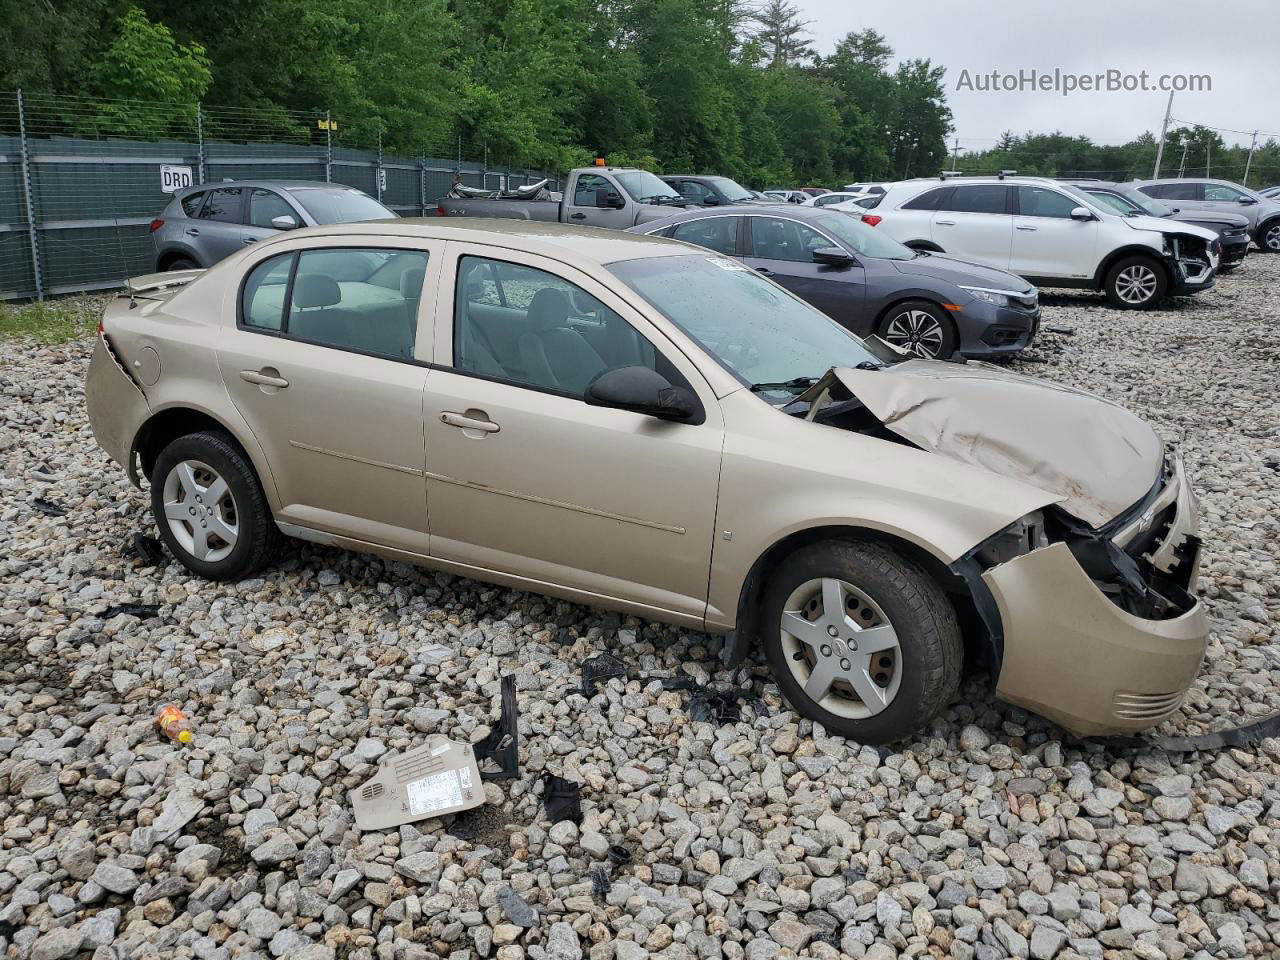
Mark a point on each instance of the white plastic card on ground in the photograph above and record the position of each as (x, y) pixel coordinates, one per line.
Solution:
(438, 778)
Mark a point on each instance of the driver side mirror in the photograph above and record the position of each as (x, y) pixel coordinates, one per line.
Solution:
(642, 390)
(607, 199)
(710, 200)
(1247, 201)
(832, 257)
(284, 222)
(1082, 213)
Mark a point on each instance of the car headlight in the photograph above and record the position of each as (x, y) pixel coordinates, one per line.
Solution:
(995, 297)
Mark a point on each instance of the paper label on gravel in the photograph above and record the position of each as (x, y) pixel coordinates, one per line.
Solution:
(436, 792)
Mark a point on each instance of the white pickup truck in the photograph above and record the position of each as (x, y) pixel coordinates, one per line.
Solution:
(616, 197)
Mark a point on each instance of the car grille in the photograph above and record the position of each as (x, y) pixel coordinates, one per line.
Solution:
(1146, 706)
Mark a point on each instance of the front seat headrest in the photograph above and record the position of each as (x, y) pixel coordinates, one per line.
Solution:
(548, 309)
(315, 290)
(411, 283)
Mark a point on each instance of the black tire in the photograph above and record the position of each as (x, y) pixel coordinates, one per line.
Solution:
(182, 263)
(1122, 279)
(1268, 236)
(930, 647)
(257, 534)
(896, 322)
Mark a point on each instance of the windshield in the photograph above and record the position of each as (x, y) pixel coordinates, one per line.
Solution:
(1148, 204)
(1090, 201)
(862, 239)
(330, 205)
(733, 191)
(1116, 202)
(644, 186)
(755, 329)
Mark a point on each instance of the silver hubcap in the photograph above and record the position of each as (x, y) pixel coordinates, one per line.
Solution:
(917, 332)
(841, 648)
(1136, 284)
(200, 511)
(1273, 238)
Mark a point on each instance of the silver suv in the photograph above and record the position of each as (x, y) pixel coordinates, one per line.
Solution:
(203, 224)
(1221, 196)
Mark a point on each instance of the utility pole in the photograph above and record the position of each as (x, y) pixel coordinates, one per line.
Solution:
(1164, 129)
(1248, 163)
(1182, 167)
(955, 155)
(1208, 155)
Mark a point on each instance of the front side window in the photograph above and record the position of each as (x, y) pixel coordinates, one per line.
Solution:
(1042, 202)
(532, 328)
(716, 233)
(774, 239)
(978, 198)
(584, 193)
(223, 206)
(360, 299)
(1221, 192)
(692, 190)
(265, 206)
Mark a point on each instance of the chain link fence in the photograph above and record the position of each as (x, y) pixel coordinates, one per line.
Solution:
(81, 178)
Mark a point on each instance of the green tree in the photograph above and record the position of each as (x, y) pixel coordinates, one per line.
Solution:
(782, 35)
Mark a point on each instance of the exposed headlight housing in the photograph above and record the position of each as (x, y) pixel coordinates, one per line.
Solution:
(999, 298)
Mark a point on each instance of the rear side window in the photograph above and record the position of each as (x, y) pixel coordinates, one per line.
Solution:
(929, 200)
(223, 206)
(364, 299)
(979, 198)
(1173, 191)
(717, 233)
(265, 206)
(191, 203)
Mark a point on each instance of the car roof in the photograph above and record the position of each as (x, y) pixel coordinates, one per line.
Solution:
(596, 245)
(274, 184)
(793, 210)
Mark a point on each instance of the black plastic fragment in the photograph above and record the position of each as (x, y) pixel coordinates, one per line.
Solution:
(721, 705)
(49, 508)
(619, 854)
(561, 799)
(149, 549)
(682, 682)
(600, 667)
(143, 611)
(517, 909)
(600, 881)
(1248, 736)
(498, 754)
(462, 828)
(1059, 329)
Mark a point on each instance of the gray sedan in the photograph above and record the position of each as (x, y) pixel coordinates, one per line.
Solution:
(929, 304)
(203, 224)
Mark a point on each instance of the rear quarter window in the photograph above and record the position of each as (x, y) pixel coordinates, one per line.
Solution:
(191, 202)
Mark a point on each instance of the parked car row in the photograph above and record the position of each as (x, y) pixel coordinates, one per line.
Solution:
(641, 424)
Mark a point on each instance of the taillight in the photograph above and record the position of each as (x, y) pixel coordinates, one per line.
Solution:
(156, 224)
(440, 210)
(870, 219)
(101, 328)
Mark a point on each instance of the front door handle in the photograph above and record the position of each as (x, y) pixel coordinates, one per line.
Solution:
(577, 216)
(250, 239)
(1028, 228)
(463, 422)
(264, 379)
(945, 223)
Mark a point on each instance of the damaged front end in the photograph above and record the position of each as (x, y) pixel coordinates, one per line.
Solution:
(1192, 260)
(1089, 602)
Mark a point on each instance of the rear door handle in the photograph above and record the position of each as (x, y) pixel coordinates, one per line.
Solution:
(263, 379)
(577, 216)
(192, 232)
(945, 223)
(764, 271)
(463, 422)
(250, 239)
(1028, 228)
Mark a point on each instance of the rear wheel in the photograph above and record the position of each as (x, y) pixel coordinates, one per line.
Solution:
(210, 508)
(182, 263)
(921, 328)
(861, 640)
(1135, 283)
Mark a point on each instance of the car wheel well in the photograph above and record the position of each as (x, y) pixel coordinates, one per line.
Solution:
(1260, 235)
(1100, 278)
(169, 257)
(167, 426)
(746, 633)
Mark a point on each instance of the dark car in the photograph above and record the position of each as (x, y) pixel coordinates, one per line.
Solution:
(203, 224)
(930, 304)
(709, 191)
(1231, 228)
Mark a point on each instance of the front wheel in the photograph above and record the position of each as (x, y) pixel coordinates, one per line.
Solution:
(861, 640)
(920, 328)
(1269, 236)
(210, 508)
(1135, 283)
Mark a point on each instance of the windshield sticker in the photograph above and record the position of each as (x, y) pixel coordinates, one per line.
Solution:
(724, 263)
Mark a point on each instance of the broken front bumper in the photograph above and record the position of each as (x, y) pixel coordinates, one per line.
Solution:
(1072, 654)
(116, 405)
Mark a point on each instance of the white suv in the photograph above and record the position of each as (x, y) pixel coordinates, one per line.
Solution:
(1051, 234)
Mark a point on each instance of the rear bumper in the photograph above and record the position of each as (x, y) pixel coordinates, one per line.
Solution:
(116, 405)
(1076, 657)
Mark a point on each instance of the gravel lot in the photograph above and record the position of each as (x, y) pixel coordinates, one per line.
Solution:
(992, 836)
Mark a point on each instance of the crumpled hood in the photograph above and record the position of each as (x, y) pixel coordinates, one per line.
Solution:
(1094, 454)
(1162, 225)
(942, 267)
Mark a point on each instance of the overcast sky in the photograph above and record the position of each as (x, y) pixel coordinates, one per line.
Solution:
(1235, 44)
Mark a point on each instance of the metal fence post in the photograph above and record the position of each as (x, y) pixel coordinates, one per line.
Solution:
(422, 182)
(484, 170)
(29, 197)
(377, 173)
(199, 143)
(328, 147)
